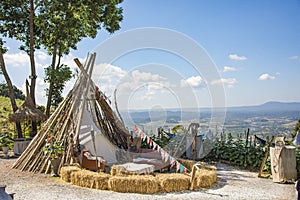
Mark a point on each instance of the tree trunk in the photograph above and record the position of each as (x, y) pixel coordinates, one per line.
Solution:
(51, 82)
(11, 93)
(32, 63)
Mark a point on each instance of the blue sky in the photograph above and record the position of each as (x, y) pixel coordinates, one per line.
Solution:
(255, 46)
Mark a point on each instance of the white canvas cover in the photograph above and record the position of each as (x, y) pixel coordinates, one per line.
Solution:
(101, 146)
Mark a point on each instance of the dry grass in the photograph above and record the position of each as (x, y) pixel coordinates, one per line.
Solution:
(173, 182)
(89, 179)
(134, 184)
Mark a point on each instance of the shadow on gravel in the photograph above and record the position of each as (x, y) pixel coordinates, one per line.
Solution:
(227, 173)
(9, 157)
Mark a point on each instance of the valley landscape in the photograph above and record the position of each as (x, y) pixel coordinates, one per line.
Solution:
(271, 118)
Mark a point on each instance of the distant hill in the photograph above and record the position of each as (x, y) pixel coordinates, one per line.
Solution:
(269, 109)
(269, 106)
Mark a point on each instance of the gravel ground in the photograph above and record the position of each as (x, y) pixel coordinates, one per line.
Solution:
(232, 184)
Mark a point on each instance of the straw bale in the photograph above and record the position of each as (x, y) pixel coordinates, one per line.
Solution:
(207, 166)
(173, 182)
(204, 178)
(187, 163)
(89, 179)
(119, 170)
(66, 171)
(145, 184)
(190, 163)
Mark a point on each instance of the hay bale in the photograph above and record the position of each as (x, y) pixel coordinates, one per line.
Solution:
(65, 172)
(89, 179)
(190, 163)
(204, 165)
(204, 178)
(173, 182)
(119, 170)
(187, 163)
(146, 184)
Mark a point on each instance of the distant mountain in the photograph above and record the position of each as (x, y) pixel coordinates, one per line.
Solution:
(269, 109)
(269, 106)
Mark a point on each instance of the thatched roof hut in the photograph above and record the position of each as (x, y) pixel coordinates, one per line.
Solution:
(27, 111)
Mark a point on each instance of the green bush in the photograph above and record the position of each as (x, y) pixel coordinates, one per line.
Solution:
(236, 152)
(6, 140)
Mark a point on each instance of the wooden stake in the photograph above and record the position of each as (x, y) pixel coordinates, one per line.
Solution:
(266, 157)
(195, 168)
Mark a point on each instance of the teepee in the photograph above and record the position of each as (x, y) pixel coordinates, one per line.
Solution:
(84, 118)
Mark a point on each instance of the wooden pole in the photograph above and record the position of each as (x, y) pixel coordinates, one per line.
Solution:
(195, 168)
(91, 63)
(266, 157)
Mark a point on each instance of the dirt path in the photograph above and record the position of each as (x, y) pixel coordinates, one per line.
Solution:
(232, 184)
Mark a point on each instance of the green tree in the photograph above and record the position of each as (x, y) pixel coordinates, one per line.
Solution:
(57, 25)
(4, 91)
(17, 21)
(296, 128)
(178, 129)
(17, 18)
(10, 86)
(61, 75)
(64, 23)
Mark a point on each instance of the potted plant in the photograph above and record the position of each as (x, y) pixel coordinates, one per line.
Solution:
(5, 141)
(55, 149)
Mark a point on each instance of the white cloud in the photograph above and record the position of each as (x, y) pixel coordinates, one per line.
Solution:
(107, 76)
(110, 77)
(193, 81)
(149, 85)
(236, 57)
(229, 69)
(17, 59)
(40, 94)
(69, 61)
(42, 56)
(154, 88)
(108, 71)
(229, 82)
(146, 76)
(294, 57)
(21, 59)
(264, 77)
(68, 86)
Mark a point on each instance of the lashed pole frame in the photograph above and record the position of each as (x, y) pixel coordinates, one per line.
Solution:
(88, 84)
(66, 121)
(33, 159)
(112, 127)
